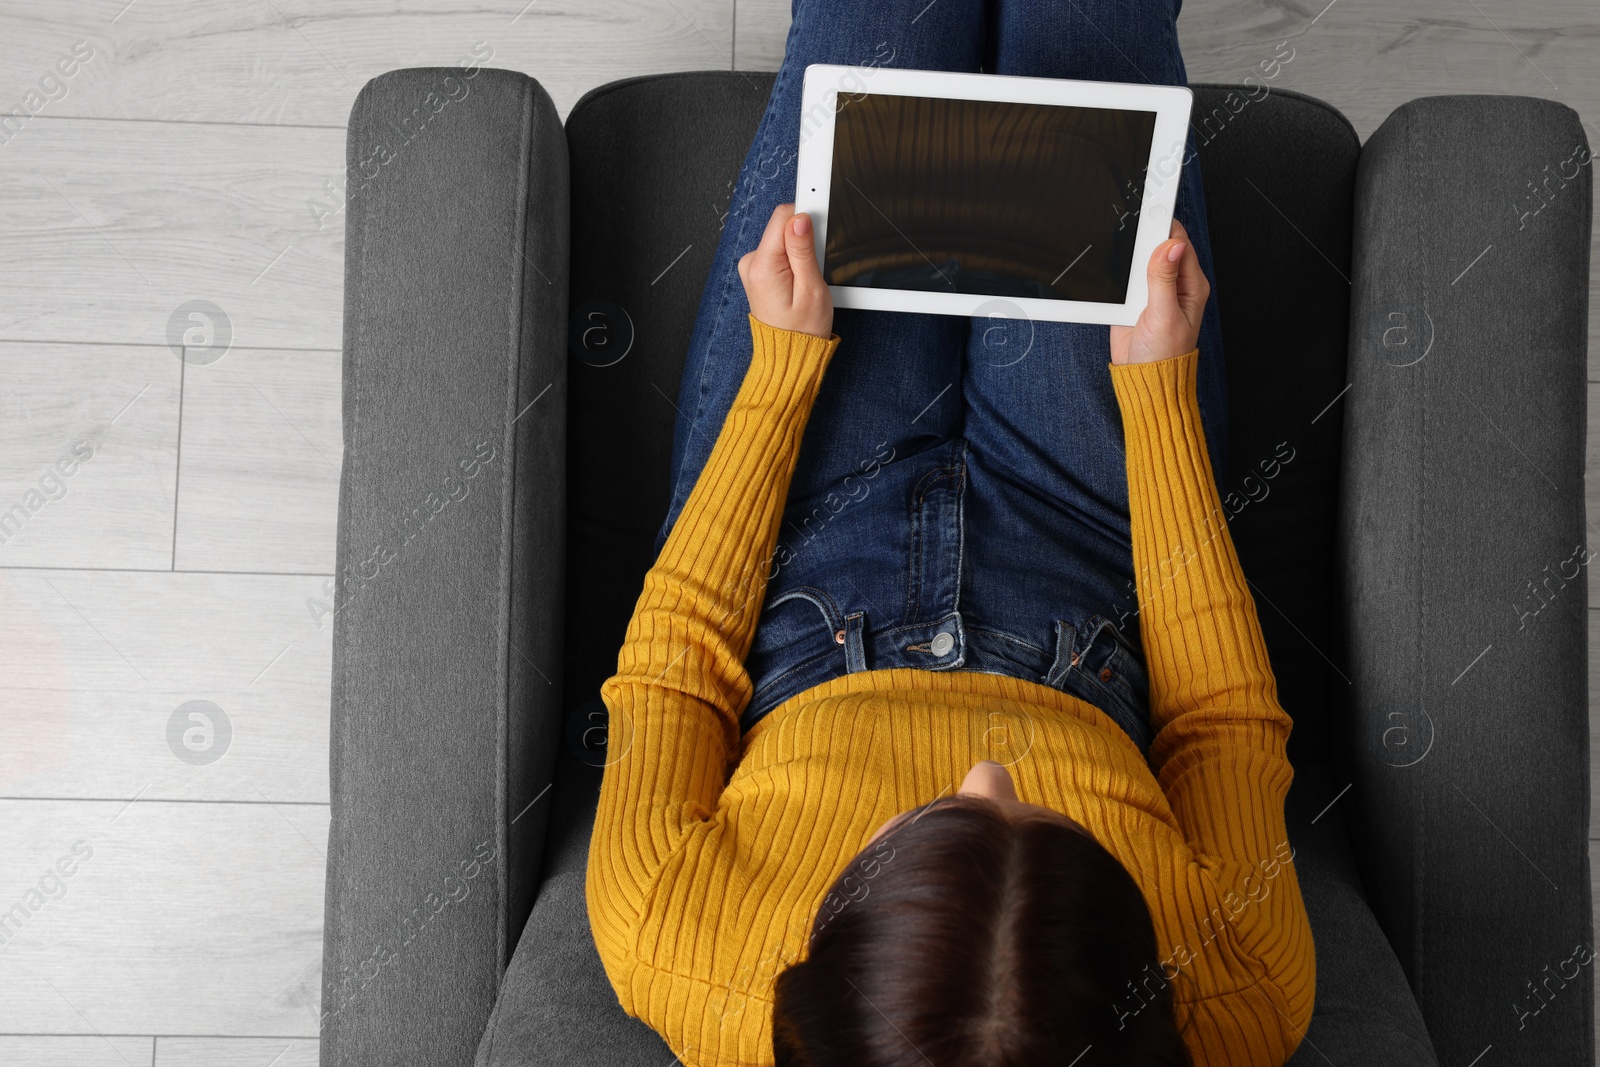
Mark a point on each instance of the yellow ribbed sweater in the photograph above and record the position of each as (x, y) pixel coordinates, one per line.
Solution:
(711, 852)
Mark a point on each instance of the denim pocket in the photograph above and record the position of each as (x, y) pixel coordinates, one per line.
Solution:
(797, 634)
(1108, 672)
(796, 616)
(1127, 695)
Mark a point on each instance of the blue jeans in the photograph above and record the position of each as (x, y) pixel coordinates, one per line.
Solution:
(960, 501)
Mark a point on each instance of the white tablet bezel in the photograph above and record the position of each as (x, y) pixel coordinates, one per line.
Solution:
(814, 173)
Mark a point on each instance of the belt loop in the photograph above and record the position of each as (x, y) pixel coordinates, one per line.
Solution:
(1066, 654)
(855, 656)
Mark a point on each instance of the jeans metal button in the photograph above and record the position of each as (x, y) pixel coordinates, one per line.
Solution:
(942, 644)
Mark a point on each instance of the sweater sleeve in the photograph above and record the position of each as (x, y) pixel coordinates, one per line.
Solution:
(1220, 748)
(681, 683)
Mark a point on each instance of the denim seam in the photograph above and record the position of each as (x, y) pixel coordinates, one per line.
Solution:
(952, 472)
(832, 619)
(1119, 681)
(1123, 639)
(961, 525)
(832, 616)
(915, 627)
(919, 493)
(1013, 640)
(1107, 703)
(1117, 689)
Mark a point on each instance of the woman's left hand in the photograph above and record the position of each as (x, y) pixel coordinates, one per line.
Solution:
(782, 278)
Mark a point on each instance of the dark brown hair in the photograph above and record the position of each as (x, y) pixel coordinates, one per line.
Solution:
(964, 937)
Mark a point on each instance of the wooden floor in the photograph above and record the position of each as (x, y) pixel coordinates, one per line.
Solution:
(153, 612)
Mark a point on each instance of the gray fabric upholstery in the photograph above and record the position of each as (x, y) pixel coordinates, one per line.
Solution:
(1280, 177)
(557, 1006)
(1463, 484)
(654, 159)
(446, 730)
(446, 698)
(1364, 1012)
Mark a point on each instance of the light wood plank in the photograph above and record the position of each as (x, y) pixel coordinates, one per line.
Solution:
(176, 918)
(261, 454)
(1367, 58)
(111, 227)
(760, 34)
(1364, 57)
(88, 455)
(301, 61)
(234, 1052)
(110, 1050)
(96, 665)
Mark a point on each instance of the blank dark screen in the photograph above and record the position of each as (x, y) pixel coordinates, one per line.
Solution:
(986, 197)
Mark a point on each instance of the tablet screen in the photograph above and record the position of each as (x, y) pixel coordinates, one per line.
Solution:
(985, 196)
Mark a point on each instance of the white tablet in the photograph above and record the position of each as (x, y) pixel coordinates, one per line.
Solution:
(961, 194)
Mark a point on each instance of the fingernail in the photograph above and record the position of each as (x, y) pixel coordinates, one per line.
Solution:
(1175, 253)
(802, 225)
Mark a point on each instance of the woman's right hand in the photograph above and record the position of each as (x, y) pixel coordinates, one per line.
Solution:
(1169, 325)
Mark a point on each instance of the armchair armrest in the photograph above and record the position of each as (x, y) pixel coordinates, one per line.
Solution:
(448, 599)
(1462, 544)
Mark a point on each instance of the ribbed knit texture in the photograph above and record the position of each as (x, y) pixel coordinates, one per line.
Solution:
(712, 852)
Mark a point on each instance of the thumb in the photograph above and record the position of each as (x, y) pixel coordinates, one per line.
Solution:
(802, 247)
(1163, 278)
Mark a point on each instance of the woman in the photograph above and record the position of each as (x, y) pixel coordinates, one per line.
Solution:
(890, 780)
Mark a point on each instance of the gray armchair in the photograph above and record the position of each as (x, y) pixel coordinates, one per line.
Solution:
(1405, 326)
